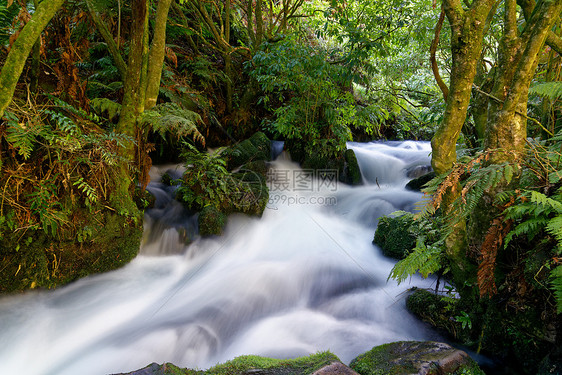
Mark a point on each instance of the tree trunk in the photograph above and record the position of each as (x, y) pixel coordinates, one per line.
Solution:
(157, 53)
(15, 61)
(106, 35)
(507, 120)
(467, 29)
(132, 106)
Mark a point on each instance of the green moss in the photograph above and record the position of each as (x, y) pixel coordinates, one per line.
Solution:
(377, 361)
(96, 242)
(353, 172)
(408, 357)
(211, 221)
(249, 364)
(263, 144)
(297, 366)
(394, 237)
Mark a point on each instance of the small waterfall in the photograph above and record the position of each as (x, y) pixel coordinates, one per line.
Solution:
(303, 278)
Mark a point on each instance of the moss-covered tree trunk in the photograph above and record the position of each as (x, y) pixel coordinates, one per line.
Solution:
(157, 53)
(15, 61)
(132, 105)
(507, 118)
(467, 30)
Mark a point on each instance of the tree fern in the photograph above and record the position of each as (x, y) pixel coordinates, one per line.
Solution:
(171, 118)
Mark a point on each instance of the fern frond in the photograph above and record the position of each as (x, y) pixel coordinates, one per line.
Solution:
(556, 282)
(171, 118)
(106, 107)
(530, 227)
(423, 259)
(551, 90)
(545, 201)
(554, 227)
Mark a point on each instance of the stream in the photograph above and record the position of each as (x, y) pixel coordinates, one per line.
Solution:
(303, 278)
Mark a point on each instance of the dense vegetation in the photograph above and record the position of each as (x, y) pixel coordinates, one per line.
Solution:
(91, 91)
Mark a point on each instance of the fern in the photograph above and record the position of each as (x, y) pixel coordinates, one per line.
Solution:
(89, 191)
(171, 118)
(423, 259)
(556, 282)
(24, 136)
(106, 107)
(551, 90)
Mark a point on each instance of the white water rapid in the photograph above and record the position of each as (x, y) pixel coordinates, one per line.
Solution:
(303, 278)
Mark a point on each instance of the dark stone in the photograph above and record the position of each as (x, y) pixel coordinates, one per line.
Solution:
(257, 147)
(335, 368)
(418, 183)
(352, 170)
(413, 357)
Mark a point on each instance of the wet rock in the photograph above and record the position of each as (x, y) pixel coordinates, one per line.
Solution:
(418, 171)
(394, 237)
(352, 170)
(417, 183)
(414, 357)
(211, 221)
(335, 368)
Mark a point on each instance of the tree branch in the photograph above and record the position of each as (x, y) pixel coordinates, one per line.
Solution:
(432, 51)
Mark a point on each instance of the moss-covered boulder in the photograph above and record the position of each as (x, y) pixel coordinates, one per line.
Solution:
(414, 357)
(251, 364)
(394, 237)
(90, 243)
(252, 194)
(442, 312)
(211, 221)
(257, 147)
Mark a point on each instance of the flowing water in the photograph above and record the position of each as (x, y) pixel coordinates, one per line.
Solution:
(303, 278)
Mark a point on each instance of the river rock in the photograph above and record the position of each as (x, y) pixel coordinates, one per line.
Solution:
(335, 368)
(412, 357)
(417, 183)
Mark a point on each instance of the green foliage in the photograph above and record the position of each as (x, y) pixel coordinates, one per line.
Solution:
(536, 213)
(72, 159)
(106, 107)
(423, 259)
(170, 118)
(551, 90)
(308, 95)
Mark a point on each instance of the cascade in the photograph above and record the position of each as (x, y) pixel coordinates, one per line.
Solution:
(303, 278)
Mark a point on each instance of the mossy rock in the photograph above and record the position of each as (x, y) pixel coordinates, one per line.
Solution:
(91, 245)
(394, 237)
(352, 170)
(439, 311)
(211, 221)
(414, 357)
(262, 143)
(253, 195)
(418, 183)
(257, 147)
(249, 364)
